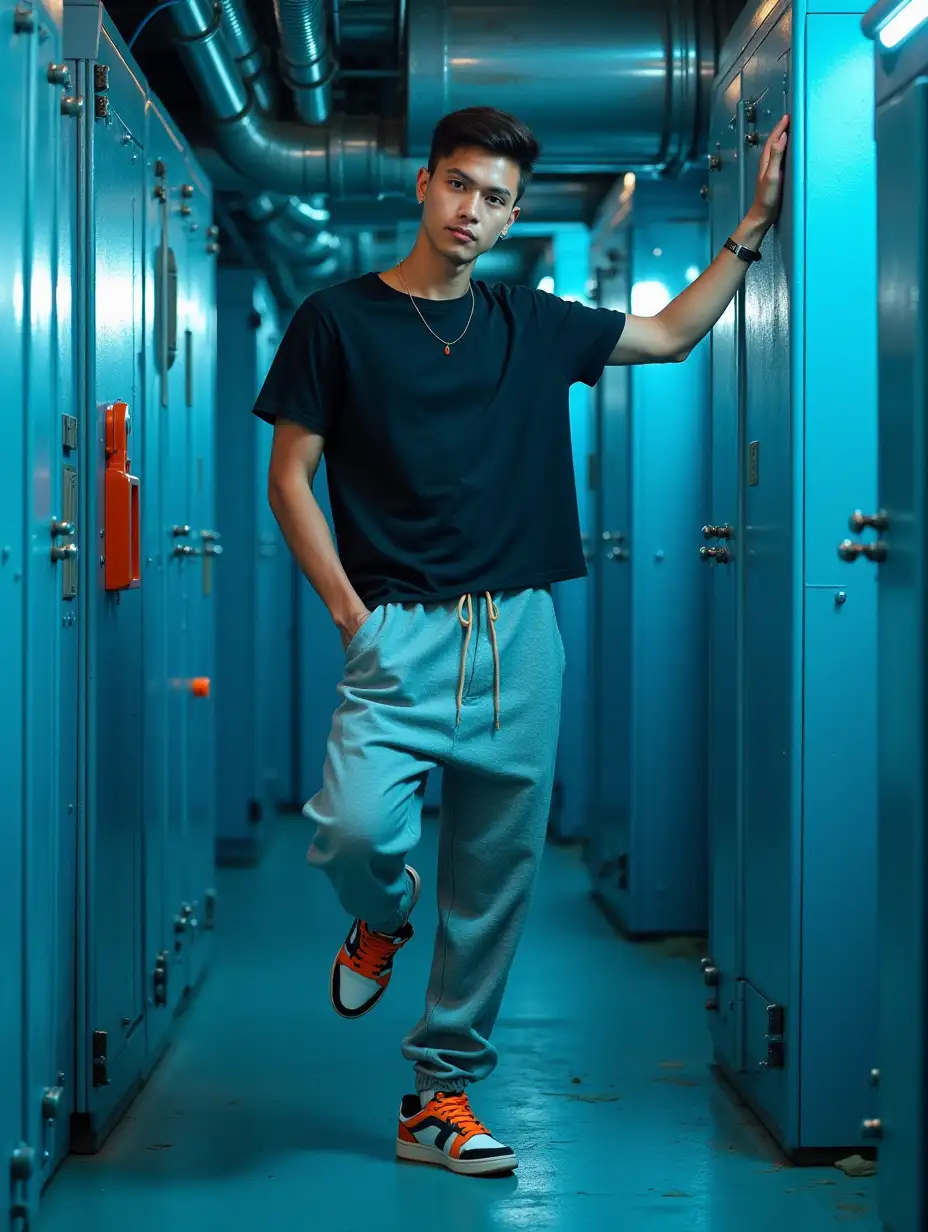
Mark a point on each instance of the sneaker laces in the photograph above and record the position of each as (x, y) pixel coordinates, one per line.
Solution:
(375, 952)
(457, 1110)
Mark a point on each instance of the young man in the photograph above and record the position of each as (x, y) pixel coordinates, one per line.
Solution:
(442, 407)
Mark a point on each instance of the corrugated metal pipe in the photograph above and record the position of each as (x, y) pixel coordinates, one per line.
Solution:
(282, 221)
(251, 56)
(613, 85)
(351, 156)
(306, 64)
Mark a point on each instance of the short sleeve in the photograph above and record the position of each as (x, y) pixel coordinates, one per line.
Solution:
(304, 380)
(582, 338)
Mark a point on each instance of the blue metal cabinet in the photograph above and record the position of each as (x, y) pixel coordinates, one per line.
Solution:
(164, 976)
(254, 664)
(17, 62)
(198, 347)
(273, 652)
(571, 814)
(648, 852)
(173, 568)
(724, 732)
(793, 445)
(50, 731)
(900, 1105)
(111, 1039)
(610, 598)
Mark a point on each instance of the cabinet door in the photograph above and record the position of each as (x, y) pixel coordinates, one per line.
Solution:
(902, 135)
(16, 61)
(767, 541)
(610, 575)
(51, 644)
(272, 614)
(199, 343)
(724, 752)
(113, 720)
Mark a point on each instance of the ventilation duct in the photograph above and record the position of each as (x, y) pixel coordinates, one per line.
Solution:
(616, 85)
(283, 222)
(605, 85)
(352, 156)
(251, 56)
(305, 63)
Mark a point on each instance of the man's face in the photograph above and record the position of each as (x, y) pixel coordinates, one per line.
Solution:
(469, 201)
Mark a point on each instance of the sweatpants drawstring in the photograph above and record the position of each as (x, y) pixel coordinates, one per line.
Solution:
(467, 623)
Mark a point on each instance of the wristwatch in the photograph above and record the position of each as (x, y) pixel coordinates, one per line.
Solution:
(745, 254)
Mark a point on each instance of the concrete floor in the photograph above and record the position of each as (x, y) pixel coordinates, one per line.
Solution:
(272, 1113)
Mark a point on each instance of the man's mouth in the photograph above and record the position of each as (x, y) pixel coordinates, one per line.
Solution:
(462, 233)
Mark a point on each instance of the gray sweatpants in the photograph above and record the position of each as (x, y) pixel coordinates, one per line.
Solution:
(473, 686)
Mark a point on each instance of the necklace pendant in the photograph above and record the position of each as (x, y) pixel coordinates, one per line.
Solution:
(447, 350)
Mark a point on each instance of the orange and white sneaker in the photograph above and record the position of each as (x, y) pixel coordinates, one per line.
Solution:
(364, 964)
(445, 1131)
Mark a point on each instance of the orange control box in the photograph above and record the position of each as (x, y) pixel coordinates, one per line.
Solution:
(122, 543)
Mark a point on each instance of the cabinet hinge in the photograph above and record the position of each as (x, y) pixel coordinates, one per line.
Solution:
(69, 432)
(160, 978)
(101, 1075)
(22, 1168)
(776, 1043)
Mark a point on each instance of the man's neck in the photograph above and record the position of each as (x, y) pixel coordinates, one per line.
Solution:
(428, 274)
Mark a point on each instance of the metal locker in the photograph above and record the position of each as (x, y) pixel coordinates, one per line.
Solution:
(649, 856)
(606, 550)
(197, 356)
(272, 671)
(17, 60)
(723, 760)
(50, 845)
(167, 954)
(898, 1110)
(111, 1039)
(794, 386)
(163, 981)
(570, 814)
(253, 653)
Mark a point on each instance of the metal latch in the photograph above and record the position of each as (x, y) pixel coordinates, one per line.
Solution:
(101, 1076)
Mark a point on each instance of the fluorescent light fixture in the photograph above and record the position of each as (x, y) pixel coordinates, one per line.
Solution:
(902, 23)
(546, 284)
(649, 298)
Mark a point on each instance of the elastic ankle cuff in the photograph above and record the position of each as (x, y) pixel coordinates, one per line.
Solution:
(450, 1086)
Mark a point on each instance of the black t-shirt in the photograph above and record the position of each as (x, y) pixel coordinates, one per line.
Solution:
(447, 474)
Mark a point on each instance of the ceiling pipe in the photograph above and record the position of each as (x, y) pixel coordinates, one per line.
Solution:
(250, 54)
(605, 85)
(282, 221)
(350, 157)
(306, 63)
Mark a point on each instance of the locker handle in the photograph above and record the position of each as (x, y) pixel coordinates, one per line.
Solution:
(122, 541)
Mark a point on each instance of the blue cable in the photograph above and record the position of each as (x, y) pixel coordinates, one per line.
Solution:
(154, 13)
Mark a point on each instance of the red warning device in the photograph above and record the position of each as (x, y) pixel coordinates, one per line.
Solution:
(122, 543)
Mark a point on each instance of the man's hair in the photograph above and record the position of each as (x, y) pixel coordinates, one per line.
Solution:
(490, 130)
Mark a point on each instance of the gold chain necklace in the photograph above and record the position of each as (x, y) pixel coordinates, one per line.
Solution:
(446, 345)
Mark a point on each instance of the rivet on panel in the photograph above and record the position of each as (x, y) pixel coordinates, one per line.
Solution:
(840, 598)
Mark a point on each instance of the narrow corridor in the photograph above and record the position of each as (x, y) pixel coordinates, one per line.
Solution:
(270, 1112)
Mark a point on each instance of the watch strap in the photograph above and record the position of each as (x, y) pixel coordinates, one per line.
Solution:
(744, 254)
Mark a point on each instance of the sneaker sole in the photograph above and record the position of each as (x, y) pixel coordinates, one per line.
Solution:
(359, 1013)
(417, 1153)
